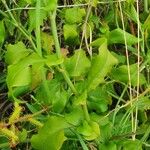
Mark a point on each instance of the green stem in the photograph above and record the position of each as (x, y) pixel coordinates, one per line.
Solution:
(86, 113)
(58, 51)
(38, 34)
(64, 72)
(146, 6)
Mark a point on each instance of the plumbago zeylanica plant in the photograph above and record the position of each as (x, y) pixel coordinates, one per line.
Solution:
(75, 74)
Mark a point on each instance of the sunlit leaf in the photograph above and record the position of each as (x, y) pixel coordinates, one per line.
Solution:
(117, 36)
(90, 131)
(101, 66)
(121, 74)
(16, 52)
(78, 64)
(74, 15)
(32, 17)
(71, 34)
(51, 135)
(2, 32)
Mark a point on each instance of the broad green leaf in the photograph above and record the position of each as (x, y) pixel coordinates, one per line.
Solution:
(89, 130)
(52, 60)
(16, 52)
(117, 36)
(19, 74)
(54, 95)
(2, 32)
(32, 17)
(47, 42)
(74, 15)
(78, 64)
(50, 5)
(99, 99)
(106, 131)
(71, 34)
(51, 135)
(108, 146)
(101, 66)
(131, 144)
(121, 74)
(75, 116)
(81, 99)
(37, 74)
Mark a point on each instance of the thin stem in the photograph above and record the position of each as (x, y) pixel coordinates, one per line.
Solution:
(127, 57)
(145, 5)
(38, 34)
(138, 68)
(86, 114)
(58, 51)
(18, 25)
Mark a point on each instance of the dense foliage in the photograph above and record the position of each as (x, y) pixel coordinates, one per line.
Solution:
(74, 74)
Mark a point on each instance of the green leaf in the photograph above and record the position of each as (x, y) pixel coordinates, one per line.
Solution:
(89, 130)
(54, 95)
(52, 60)
(121, 74)
(47, 42)
(23, 135)
(117, 36)
(50, 5)
(74, 15)
(19, 74)
(99, 99)
(71, 34)
(2, 32)
(81, 99)
(51, 135)
(78, 64)
(101, 66)
(108, 146)
(131, 144)
(16, 52)
(75, 116)
(32, 16)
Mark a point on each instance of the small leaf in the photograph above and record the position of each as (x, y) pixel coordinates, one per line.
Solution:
(32, 16)
(50, 5)
(52, 60)
(108, 146)
(78, 64)
(54, 95)
(51, 135)
(99, 99)
(2, 32)
(131, 144)
(74, 15)
(101, 66)
(16, 52)
(75, 116)
(90, 131)
(47, 42)
(121, 74)
(81, 99)
(23, 135)
(71, 34)
(117, 36)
